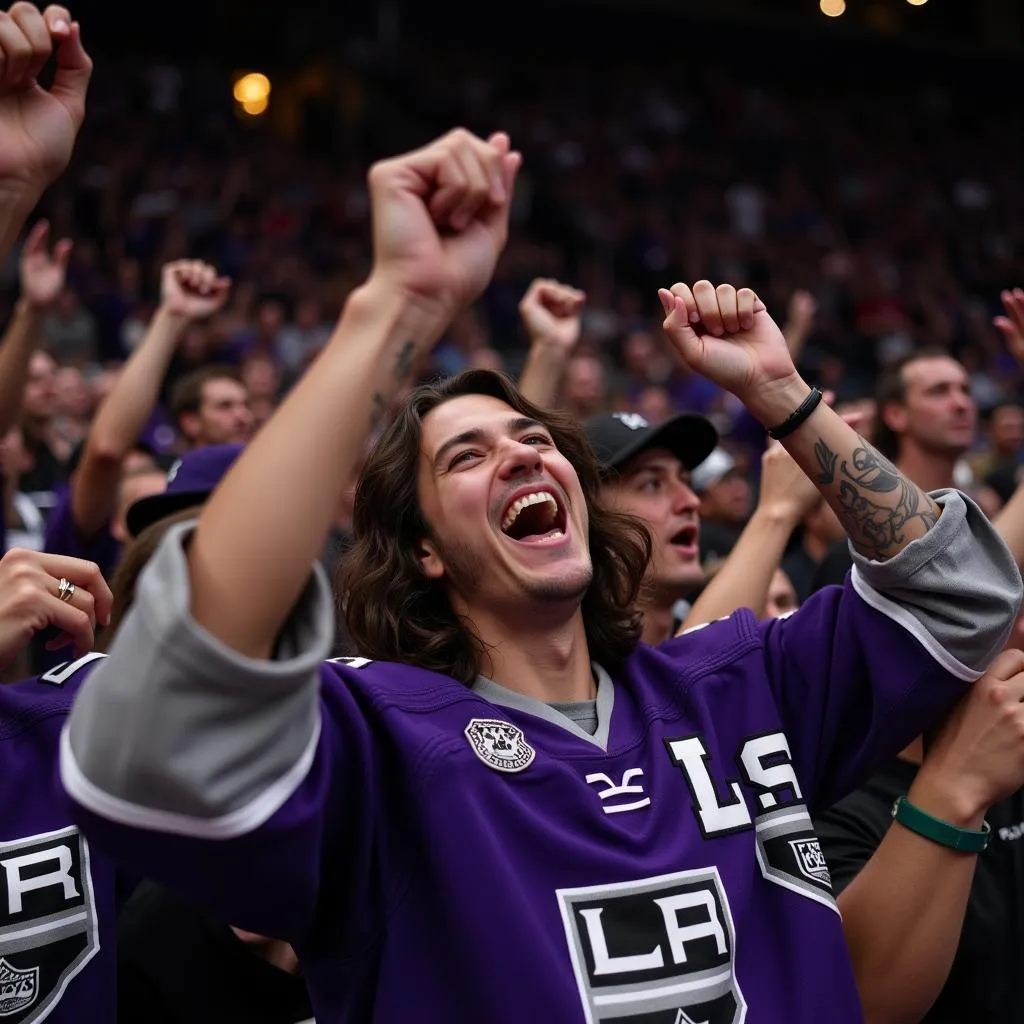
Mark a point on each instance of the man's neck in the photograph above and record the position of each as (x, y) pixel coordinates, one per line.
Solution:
(550, 663)
(931, 471)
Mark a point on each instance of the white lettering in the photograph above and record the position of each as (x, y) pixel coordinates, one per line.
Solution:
(777, 777)
(604, 962)
(18, 886)
(691, 757)
(679, 935)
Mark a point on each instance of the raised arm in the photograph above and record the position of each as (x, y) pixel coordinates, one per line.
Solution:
(222, 650)
(551, 315)
(440, 219)
(37, 127)
(903, 910)
(728, 336)
(41, 278)
(190, 290)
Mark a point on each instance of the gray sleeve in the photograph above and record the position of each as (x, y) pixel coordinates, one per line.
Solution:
(958, 587)
(175, 723)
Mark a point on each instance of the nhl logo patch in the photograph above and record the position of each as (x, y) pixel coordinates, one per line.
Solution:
(18, 989)
(499, 745)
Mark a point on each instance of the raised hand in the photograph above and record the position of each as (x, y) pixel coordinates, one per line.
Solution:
(42, 272)
(440, 219)
(30, 601)
(1012, 325)
(191, 289)
(726, 335)
(551, 313)
(38, 127)
(977, 756)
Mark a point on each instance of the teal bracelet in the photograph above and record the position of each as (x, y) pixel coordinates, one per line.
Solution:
(964, 840)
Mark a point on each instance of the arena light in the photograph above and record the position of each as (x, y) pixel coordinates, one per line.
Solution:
(255, 107)
(252, 93)
(832, 8)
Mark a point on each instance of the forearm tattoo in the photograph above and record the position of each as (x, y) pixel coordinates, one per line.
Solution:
(403, 367)
(876, 501)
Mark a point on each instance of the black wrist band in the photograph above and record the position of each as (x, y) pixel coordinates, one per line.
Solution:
(794, 419)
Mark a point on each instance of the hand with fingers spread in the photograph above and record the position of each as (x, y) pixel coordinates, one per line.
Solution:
(39, 590)
(38, 126)
(551, 313)
(726, 335)
(1012, 325)
(192, 290)
(440, 220)
(42, 272)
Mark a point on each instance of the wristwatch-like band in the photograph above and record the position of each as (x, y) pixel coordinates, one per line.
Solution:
(963, 839)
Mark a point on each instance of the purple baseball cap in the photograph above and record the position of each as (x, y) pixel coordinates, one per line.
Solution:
(190, 481)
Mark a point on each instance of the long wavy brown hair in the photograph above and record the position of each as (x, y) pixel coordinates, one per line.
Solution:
(135, 558)
(396, 613)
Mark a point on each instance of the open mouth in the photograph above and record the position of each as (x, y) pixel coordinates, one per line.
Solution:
(534, 517)
(685, 538)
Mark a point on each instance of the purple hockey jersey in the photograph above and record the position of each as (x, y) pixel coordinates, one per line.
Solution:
(57, 913)
(450, 854)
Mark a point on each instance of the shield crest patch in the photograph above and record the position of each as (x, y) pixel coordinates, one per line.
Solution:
(48, 926)
(500, 745)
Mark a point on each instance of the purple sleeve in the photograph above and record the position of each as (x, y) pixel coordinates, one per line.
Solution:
(854, 687)
(862, 669)
(263, 875)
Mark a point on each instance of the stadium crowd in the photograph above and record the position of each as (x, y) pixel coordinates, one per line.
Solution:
(173, 286)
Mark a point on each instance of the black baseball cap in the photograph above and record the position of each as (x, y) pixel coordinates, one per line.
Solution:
(191, 480)
(617, 436)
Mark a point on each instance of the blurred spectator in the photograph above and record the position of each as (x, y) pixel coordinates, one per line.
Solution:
(586, 386)
(25, 525)
(70, 331)
(299, 341)
(1004, 429)
(74, 405)
(45, 451)
(782, 596)
(726, 500)
(211, 406)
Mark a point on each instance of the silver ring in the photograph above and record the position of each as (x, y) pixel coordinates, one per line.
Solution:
(66, 589)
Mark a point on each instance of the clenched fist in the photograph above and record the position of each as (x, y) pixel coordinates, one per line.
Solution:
(192, 290)
(726, 335)
(440, 219)
(551, 313)
(38, 127)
